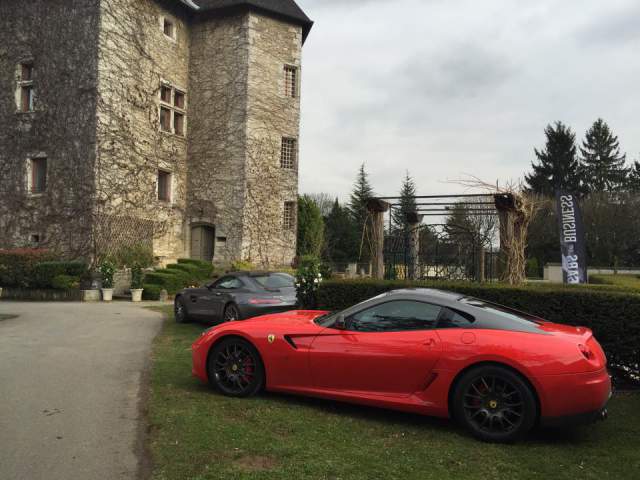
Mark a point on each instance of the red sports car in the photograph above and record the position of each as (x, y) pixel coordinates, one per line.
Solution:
(496, 370)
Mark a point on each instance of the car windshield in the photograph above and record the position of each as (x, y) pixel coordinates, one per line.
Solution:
(502, 311)
(275, 280)
(325, 320)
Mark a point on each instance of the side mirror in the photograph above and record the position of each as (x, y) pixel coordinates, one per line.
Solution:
(340, 323)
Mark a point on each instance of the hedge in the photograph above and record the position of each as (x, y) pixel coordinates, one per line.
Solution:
(17, 266)
(44, 273)
(612, 314)
(175, 277)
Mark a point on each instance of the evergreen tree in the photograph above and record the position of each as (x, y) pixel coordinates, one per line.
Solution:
(558, 165)
(633, 180)
(407, 203)
(361, 194)
(603, 167)
(341, 237)
(310, 227)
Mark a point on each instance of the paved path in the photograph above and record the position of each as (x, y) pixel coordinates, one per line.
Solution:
(70, 389)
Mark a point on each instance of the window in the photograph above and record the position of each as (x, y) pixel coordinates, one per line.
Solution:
(164, 186)
(289, 220)
(275, 280)
(397, 316)
(172, 110)
(25, 88)
(169, 28)
(289, 153)
(228, 283)
(453, 319)
(38, 179)
(290, 81)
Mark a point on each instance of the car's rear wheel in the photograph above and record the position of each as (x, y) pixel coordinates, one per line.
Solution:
(495, 404)
(180, 311)
(235, 368)
(231, 313)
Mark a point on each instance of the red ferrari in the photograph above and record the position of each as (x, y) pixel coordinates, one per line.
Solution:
(496, 370)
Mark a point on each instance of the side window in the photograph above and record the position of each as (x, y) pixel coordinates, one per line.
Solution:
(398, 316)
(228, 283)
(452, 319)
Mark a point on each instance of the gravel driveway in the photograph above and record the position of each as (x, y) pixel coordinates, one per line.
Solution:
(71, 385)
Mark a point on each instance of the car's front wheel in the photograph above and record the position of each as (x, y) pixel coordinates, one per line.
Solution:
(495, 404)
(235, 368)
(180, 311)
(231, 313)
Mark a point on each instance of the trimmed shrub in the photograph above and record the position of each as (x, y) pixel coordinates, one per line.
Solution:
(107, 271)
(137, 277)
(205, 269)
(65, 282)
(45, 272)
(151, 292)
(17, 266)
(612, 314)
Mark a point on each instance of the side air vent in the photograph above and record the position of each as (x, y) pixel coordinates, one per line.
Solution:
(290, 341)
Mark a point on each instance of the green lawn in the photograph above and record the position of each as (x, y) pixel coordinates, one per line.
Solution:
(627, 281)
(196, 433)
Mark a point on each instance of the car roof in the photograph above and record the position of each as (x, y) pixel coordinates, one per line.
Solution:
(253, 273)
(431, 293)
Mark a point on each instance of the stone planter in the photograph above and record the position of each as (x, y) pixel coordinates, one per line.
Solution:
(136, 294)
(107, 294)
(91, 295)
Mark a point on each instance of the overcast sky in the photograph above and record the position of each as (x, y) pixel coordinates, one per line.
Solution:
(450, 88)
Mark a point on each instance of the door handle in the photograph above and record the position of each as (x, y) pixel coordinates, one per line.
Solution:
(430, 342)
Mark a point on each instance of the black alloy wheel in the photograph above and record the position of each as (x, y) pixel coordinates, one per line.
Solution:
(235, 368)
(179, 311)
(495, 404)
(231, 313)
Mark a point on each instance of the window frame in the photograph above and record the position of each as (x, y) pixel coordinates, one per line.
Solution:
(291, 86)
(168, 186)
(289, 218)
(33, 180)
(25, 86)
(289, 153)
(166, 20)
(349, 321)
(171, 107)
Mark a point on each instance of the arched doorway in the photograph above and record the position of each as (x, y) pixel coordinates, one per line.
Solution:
(202, 242)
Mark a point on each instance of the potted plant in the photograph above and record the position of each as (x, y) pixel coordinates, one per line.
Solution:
(137, 281)
(107, 270)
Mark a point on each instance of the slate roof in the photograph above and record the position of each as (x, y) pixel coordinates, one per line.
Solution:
(287, 9)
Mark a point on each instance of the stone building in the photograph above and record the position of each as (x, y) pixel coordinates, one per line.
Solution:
(167, 123)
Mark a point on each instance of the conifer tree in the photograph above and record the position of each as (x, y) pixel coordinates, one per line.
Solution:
(633, 181)
(558, 166)
(602, 164)
(361, 194)
(407, 203)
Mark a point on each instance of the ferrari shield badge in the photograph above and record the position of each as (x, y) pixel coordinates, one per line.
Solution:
(271, 338)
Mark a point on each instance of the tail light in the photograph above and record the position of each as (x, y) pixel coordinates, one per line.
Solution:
(587, 352)
(265, 301)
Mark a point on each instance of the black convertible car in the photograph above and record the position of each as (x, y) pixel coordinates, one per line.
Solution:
(237, 296)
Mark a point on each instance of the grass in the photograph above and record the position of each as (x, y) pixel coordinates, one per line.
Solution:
(626, 281)
(197, 434)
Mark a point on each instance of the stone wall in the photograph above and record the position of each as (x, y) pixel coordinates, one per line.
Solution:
(59, 38)
(217, 135)
(136, 59)
(271, 116)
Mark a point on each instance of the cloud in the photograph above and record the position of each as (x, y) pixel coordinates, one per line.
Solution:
(617, 27)
(445, 89)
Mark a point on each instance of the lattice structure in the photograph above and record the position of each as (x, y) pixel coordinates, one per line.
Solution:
(113, 233)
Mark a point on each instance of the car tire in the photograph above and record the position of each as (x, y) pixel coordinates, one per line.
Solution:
(495, 404)
(235, 368)
(231, 313)
(180, 311)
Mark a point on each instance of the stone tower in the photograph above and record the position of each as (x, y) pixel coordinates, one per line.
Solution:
(172, 124)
